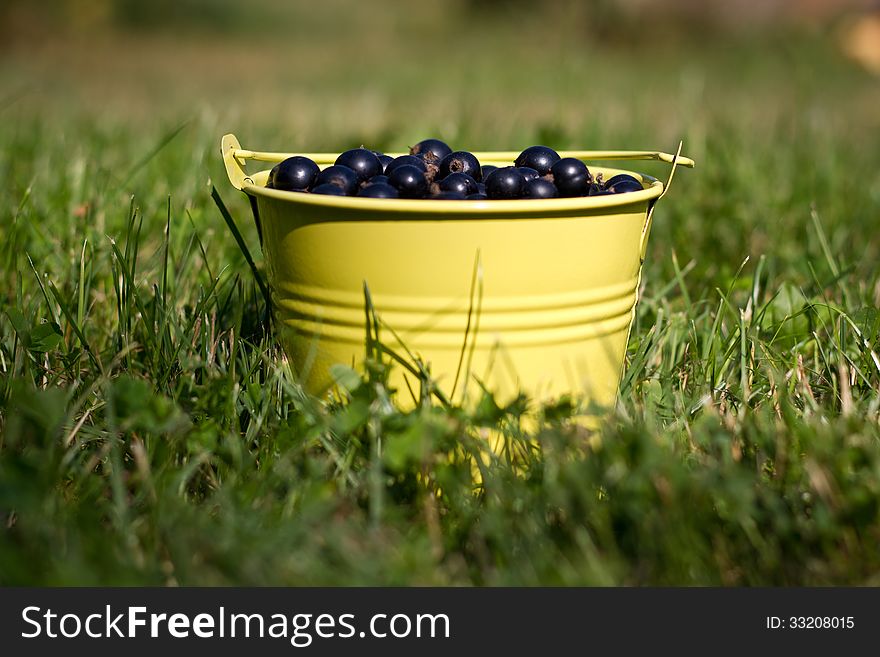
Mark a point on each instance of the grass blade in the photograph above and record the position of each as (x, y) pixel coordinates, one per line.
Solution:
(239, 240)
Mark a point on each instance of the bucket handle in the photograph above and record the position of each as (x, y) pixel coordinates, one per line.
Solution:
(234, 157)
(674, 160)
(230, 149)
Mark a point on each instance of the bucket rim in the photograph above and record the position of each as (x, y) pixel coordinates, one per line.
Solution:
(512, 208)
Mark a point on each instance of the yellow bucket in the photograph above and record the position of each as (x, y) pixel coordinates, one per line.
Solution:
(534, 296)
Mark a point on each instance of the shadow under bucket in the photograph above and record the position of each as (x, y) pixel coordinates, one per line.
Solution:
(534, 296)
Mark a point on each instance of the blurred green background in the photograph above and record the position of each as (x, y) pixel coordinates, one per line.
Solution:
(319, 74)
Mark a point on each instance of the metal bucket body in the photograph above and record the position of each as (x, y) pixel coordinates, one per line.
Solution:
(533, 296)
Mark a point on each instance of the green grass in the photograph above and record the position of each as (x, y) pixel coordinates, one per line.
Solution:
(150, 432)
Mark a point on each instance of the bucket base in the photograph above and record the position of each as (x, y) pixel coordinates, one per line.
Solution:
(589, 369)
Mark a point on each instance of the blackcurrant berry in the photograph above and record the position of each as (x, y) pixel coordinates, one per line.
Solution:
(528, 172)
(539, 188)
(481, 187)
(616, 179)
(341, 176)
(364, 163)
(460, 162)
(448, 196)
(385, 160)
(295, 174)
(410, 160)
(431, 150)
(487, 169)
(539, 158)
(377, 179)
(504, 183)
(571, 177)
(409, 180)
(459, 182)
(622, 183)
(379, 190)
(477, 197)
(329, 189)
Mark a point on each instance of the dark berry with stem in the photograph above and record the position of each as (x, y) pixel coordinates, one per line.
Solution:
(504, 183)
(539, 188)
(459, 182)
(460, 162)
(295, 174)
(379, 190)
(539, 158)
(571, 177)
(431, 150)
(409, 180)
(329, 189)
(364, 163)
(341, 176)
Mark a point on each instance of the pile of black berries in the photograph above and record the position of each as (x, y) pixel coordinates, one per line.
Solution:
(433, 170)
